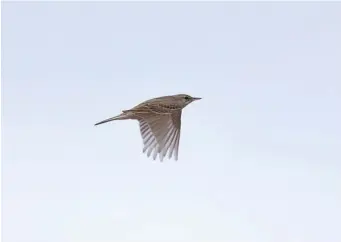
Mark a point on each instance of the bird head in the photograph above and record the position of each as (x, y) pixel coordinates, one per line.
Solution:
(185, 99)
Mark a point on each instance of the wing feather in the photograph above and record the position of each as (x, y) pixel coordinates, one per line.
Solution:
(161, 134)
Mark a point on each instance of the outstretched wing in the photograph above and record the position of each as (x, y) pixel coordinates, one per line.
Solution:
(161, 134)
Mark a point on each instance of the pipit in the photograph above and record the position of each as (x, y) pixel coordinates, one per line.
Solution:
(160, 123)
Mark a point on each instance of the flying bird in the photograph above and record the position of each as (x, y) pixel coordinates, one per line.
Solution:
(160, 123)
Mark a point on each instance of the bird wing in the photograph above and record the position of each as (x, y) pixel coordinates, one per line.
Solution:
(160, 133)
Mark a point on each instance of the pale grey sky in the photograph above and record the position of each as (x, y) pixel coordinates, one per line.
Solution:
(259, 159)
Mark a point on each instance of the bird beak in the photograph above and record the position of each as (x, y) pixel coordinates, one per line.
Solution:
(196, 98)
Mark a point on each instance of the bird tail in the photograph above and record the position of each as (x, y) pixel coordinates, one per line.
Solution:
(118, 117)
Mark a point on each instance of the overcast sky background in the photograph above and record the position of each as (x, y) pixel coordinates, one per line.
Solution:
(259, 158)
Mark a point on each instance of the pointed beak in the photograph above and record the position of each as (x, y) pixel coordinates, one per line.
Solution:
(196, 98)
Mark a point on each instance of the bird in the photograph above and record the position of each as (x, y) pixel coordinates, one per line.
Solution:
(159, 122)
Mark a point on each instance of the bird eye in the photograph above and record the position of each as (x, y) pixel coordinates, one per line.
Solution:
(187, 98)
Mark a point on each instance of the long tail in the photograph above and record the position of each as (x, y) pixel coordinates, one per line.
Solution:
(118, 117)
